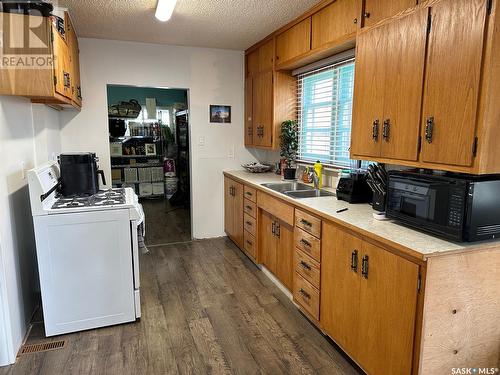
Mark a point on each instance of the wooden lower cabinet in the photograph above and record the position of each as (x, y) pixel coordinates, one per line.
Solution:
(233, 210)
(276, 247)
(368, 302)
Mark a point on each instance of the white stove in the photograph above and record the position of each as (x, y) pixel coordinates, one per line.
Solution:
(88, 254)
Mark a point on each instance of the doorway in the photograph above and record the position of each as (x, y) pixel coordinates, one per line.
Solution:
(150, 153)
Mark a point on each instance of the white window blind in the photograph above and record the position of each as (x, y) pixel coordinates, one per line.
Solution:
(325, 114)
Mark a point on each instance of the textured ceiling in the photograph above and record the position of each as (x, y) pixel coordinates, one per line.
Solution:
(229, 24)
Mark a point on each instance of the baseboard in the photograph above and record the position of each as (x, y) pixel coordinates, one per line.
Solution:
(276, 282)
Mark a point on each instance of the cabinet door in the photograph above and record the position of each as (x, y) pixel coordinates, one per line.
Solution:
(293, 42)
(267, 241)
(404, 59)
(228, 207)
(249, 111)
(340, 285)
(266, 56)
(263, 109)
(334, 22)
(377, 10)
(369, 91)
(252, 63)
(452, 81)
(238, 225)
(284, 266)
(387, 312)
(74, 60)
(61, 65)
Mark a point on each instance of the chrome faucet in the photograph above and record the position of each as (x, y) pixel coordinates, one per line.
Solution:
(315, 179)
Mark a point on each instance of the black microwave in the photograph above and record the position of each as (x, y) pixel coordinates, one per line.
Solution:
(456, 207)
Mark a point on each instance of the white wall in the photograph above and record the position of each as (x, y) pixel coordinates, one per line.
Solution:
(28, 134)
(212, 77)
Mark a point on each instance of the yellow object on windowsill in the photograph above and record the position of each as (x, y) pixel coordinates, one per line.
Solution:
(318, 168)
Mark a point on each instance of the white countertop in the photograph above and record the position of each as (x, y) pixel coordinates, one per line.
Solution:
(359, 216)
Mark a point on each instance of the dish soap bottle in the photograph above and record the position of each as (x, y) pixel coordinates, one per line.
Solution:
(318, 168)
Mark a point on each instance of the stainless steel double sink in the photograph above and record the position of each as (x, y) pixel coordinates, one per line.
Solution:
(298, 190)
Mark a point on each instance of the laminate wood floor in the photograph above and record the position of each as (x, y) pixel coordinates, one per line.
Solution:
(164, 223)
(206, 309)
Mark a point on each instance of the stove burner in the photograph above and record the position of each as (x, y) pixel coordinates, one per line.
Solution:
(103, 198)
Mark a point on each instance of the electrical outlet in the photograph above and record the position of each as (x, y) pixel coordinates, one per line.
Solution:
(201, 141)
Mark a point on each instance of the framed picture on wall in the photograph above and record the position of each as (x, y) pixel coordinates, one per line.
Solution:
(150, 149)
(220, 114)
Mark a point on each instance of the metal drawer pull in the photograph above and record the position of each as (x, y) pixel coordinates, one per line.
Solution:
(250, 243)
(354, 261)
(429, 129)
(248, 223)
(386, 130)
(249, 194)
(305, 265)
(364, 267)
(305, 222)
(249, 208)
(305, 243)
(375, 130)
(278, 230)
(304, 293)
(273, 228)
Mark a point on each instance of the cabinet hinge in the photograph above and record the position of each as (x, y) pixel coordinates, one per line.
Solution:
(419, 283)
(474, 147)
(489, 6)
(429, 23)
(419, 146)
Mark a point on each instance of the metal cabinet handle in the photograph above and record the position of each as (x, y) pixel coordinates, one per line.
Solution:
(305, 222)
(248, 208)
(364, 267)
(278, 230)
(375, 127)
(249, 243)
(305, 243)
(386, 130)
(354, 261)
(367, 15)
(248, 223)
(250, 131)
(355, 21)
(248, 193)
(273, 228)
(429, 129)
(304, 293)
(305, 265)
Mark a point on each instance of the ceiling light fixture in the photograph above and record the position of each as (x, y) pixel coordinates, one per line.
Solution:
(164, 9)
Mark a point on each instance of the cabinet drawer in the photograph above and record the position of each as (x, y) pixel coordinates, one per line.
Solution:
(308, 244)
(308, 223)
(306, 296)
(250, 224)
(249, 245)
(307, 267)
(276, 207)
(251, 194)
(250, 208)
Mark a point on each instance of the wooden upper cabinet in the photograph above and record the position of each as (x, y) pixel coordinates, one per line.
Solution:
(263, 109)
(334, 22)
(377, 10)
(369, 92)
(404, 58)
(452, 81)
(388, 88)
(266, 56)
(74, 56)
(249, 111)
(293, 42)
(387, 312)
(62, 65)
(252, 63)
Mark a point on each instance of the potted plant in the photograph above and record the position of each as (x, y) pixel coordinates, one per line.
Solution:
(289, 144)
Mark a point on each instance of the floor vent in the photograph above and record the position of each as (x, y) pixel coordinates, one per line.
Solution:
(42, 347)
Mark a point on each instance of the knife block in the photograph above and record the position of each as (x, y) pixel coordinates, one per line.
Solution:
(378, 202)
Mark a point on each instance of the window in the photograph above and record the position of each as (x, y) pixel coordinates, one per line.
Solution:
(325, 114)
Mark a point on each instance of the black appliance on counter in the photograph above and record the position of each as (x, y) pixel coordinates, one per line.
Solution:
(27, 7)
(79, 174)
(456, 207)
(354, 189)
